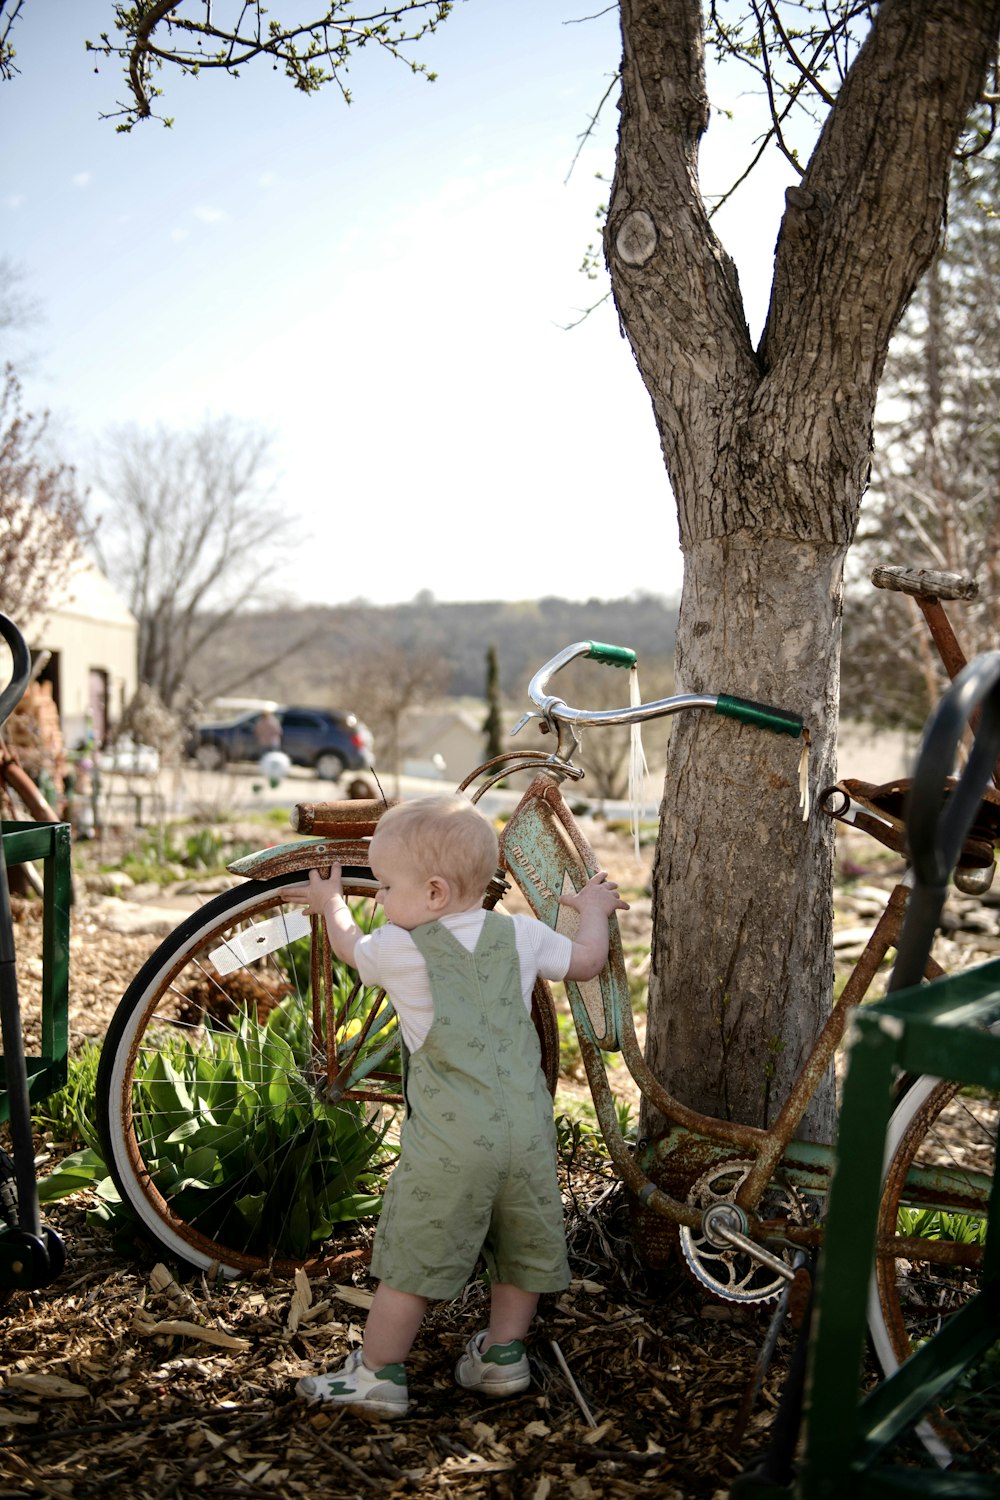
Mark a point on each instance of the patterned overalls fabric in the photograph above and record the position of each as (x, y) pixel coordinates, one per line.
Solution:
(477, 1165)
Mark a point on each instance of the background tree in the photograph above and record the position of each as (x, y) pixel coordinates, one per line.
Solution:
(188, 535)
(934, 500)
(767, 448)
(493, 727)
(42, 523)
(382, 682)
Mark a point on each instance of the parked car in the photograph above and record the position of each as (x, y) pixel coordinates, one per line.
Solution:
(331, 743)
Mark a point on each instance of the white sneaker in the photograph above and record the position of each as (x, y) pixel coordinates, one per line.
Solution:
(382, 1392)
(501, 1371)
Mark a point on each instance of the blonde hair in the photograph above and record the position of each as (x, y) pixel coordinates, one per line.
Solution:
(445, 836)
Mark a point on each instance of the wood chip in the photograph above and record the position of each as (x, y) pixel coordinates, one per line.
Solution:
(301, 1301)
(180, 1328)
(47, 1385)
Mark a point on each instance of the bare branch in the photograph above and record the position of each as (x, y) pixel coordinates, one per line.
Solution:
(42, 524)
(312, 53)
(9, 12)
(585, 314)
(585, 135)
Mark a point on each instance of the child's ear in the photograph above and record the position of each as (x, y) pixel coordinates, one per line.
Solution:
(438, 891)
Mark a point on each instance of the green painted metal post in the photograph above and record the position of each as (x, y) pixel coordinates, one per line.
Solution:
(47, 844)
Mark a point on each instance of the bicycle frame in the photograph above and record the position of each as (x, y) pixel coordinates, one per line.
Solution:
(543, 852)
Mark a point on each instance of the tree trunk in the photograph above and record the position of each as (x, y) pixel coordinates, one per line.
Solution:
(767, 452)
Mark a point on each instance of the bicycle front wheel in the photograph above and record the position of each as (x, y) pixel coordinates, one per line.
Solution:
(249, 1087)
(933, 1220)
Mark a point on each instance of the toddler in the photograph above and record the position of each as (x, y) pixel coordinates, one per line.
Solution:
(477, 1163)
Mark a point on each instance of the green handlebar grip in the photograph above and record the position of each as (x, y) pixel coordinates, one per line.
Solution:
(760, 715)
(612, 656)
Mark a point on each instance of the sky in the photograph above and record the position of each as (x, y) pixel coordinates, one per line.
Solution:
(383, 288)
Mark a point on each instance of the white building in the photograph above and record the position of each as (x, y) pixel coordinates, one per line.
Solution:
(93, 640)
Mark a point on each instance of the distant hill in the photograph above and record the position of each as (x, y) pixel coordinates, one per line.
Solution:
(525, 635)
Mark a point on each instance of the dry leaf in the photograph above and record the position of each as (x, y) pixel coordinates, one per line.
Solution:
(542, 1489)
(537, 1429)
(17, 1418)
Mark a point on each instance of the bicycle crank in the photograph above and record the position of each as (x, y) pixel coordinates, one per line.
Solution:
(719, 1254)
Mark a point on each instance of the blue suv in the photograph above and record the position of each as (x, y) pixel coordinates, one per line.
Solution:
(330, 743)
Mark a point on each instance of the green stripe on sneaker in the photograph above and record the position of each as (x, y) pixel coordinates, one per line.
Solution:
(504, 1354)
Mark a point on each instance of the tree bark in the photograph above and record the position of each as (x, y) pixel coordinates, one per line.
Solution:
(767, 451)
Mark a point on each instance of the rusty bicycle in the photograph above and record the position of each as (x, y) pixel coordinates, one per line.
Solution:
(248, 1084)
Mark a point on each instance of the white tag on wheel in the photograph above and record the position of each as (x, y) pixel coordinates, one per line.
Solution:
(258, 940)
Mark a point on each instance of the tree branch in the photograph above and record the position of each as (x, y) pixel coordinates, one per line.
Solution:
(864, 224)
(311, 52)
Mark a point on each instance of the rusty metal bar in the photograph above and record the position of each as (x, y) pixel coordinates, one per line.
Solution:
(780, 1134)
(648, 1194)
(952, 656)
(732, 1132)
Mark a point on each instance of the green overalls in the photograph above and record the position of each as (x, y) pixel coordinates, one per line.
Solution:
(477, 1165)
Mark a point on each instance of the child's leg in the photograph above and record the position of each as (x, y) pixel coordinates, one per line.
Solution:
(511, 1312)
(392, 1326)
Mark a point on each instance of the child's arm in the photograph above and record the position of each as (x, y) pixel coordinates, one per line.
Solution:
(595, 903)
(325, 898)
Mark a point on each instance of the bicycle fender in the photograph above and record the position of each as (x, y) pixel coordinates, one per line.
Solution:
(303, 854)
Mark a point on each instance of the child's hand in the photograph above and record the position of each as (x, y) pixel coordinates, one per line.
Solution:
(317, 895)
(595, 903)
(600, 895)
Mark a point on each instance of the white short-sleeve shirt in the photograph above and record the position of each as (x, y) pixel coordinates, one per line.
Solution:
(390, 958)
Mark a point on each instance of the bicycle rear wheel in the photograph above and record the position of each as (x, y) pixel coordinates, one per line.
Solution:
(248, 1088)
(940, 1163)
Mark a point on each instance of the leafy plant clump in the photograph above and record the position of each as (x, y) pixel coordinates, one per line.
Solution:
(232, 1118)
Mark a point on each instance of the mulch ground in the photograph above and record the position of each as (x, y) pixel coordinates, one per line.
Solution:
(122, 1378)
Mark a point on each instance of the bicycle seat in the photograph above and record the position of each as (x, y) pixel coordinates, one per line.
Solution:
(886, 802)
(351, 820)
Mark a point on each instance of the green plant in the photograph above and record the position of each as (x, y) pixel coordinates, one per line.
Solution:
(203, 849)
(578, 1134)
(571, 1058)
(68, 1114)
(289, 1170)
(938, 1224)
(234, 1122)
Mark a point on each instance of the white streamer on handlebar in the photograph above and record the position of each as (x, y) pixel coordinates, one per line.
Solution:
(637, 768)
